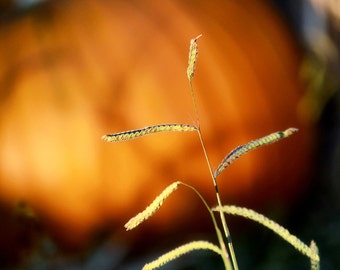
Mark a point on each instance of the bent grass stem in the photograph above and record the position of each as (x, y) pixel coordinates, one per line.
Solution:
(192, 62)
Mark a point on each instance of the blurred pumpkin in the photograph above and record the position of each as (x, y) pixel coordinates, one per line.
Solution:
(72, 71)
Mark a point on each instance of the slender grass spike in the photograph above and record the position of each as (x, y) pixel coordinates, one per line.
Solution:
(315, 262)
(310, 252)
(193, 54)
(136, 133)
(179, 251)
(152, 208)
(242, 149)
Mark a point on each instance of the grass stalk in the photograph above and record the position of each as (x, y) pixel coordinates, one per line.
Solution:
(219, 202)
(224, 255)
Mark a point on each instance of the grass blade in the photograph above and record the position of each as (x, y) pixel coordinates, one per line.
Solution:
(136, 133)
(152, 208)
(243, 149)
(179, 251)
(270, 224)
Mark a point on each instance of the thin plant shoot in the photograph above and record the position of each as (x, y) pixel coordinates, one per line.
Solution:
(224, 246)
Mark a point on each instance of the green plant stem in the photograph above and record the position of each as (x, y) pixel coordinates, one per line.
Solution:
(224, 223)
(219, 202)
(225, 256)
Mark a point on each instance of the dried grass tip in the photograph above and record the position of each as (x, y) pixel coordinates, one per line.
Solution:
(193, 54)
(315, 264)
(243, 149)
(152, 208)
(136, 133)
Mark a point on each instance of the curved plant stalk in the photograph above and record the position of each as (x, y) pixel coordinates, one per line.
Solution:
(155, 205)
(224, 252)
(310, 252)
(179, 251)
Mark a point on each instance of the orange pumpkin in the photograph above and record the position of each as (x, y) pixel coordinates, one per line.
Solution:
(72, 71)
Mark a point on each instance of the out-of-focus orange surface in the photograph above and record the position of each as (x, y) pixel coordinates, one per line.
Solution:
(72, 71)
